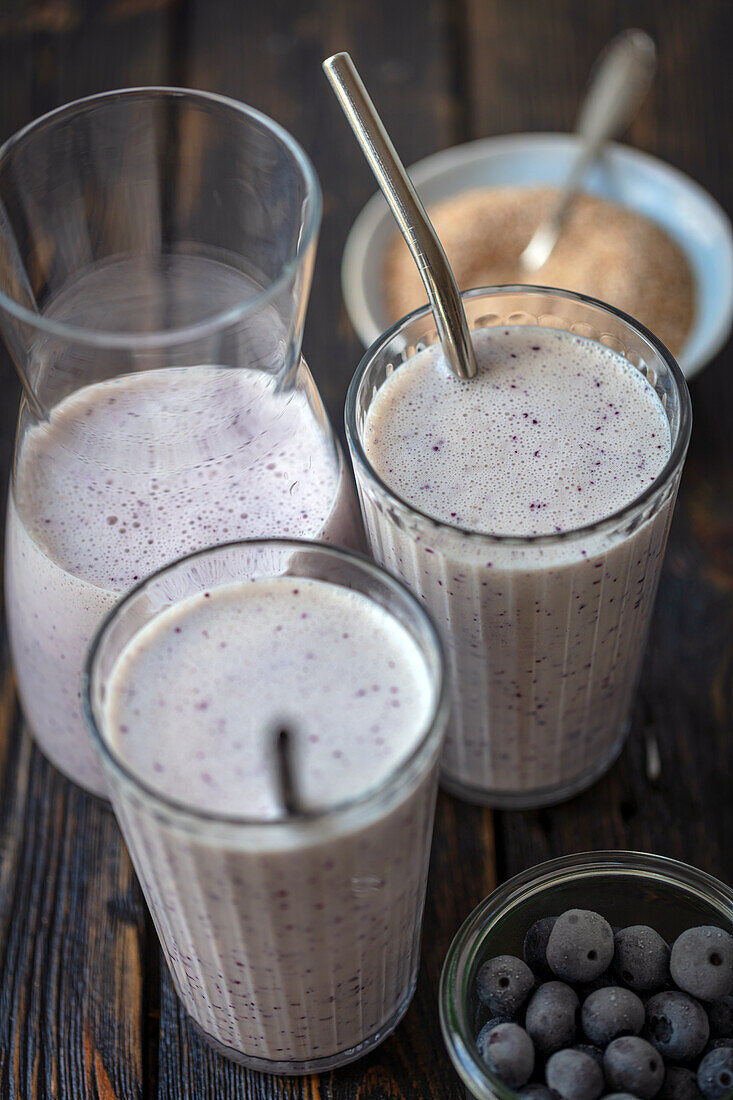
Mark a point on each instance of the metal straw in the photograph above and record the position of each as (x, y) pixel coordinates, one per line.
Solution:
(291, 804)
(409, 212)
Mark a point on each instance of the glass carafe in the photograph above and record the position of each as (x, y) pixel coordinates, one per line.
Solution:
(156, 252)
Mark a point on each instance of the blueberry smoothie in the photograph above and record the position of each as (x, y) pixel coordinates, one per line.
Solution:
(542, 607)
(133, 472)
(293, 941)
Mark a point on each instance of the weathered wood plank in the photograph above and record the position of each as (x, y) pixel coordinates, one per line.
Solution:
(71, 928)
(72, 984)
(74, 933)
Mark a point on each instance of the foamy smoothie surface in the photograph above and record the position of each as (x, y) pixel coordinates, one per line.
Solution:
(196, 697)
(138, 470)
(555, 432)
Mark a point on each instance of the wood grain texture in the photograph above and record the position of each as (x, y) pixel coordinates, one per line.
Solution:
(86, 1007)
(72, 924)
(75, 990)
(72, 1011)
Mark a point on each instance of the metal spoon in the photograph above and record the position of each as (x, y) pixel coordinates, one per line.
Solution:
(409, 211)
(621, 79)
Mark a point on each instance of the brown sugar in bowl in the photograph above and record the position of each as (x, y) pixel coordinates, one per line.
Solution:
(634, 180)
(605, 250)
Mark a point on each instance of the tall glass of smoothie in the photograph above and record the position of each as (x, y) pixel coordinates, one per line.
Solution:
(291, 926)
(528, 509)
(156, 250)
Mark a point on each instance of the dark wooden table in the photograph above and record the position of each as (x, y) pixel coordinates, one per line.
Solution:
(86, 1008)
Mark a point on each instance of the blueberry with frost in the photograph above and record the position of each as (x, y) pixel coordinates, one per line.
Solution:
(508, 1052)
(715, 1074)
(611, 1012)
(489, 1026)
(595, 1052)
(504, 984)
(632, 1064)
(574, 1075)
(551, 1019)
(603, 981)
(580, 946)
(676, 1024)
(535, 946)
(641, 958)
(701, 962)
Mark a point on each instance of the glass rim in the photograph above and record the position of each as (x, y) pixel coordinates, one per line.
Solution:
(552, 538)
(458, 1040)
(436, 720)
(222, 319)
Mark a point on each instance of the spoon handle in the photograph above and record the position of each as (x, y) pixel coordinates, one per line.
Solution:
(408, 210)
(621, 79)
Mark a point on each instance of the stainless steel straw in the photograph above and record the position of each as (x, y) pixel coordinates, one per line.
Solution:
(409, 212)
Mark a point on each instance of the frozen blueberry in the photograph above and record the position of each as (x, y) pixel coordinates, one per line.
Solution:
(580, 946)
(641, 958)
(507, 1050)
(552, 1014)
(535, 946)
(535, 1092)
(679, 1084)
(489, 1026)
(676, 1025)
(715, 1074)
(504, 984)
(595, 1052)
(720, 1015)
(609, 1013)
(633, 1064)
(702, 962)
(603, 981)
(573, 1075)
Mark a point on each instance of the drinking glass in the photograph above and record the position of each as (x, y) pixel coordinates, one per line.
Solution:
(156, 252)
(575, 662)
(294, 942)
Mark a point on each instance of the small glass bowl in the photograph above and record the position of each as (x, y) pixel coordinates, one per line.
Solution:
(626, 887)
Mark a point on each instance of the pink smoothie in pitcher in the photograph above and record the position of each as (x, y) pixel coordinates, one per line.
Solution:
(129, 474)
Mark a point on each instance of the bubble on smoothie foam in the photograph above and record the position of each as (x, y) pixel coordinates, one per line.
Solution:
(175, 435)
(555, 419)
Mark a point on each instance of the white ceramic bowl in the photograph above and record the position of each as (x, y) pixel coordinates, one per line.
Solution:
(623, 175)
